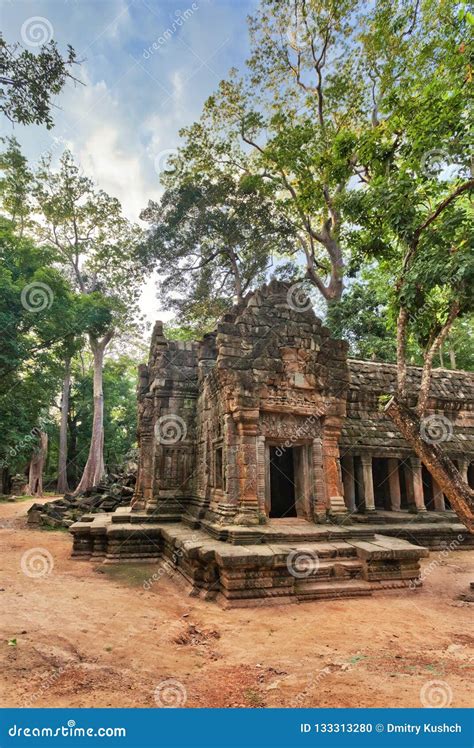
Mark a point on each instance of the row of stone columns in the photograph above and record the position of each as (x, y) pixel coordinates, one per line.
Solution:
(360, 472)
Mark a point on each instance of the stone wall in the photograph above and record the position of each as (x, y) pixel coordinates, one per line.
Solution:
(167, 392)
(272, 376)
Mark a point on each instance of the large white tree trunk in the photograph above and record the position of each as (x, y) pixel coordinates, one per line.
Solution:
(62, 486)
(94, 467)
(35, 477)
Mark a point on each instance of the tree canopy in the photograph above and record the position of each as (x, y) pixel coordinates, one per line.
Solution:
(28, 81)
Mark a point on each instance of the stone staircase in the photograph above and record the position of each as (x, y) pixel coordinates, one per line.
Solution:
(295, 562)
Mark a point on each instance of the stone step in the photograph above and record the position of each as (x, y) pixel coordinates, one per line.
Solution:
(381, 516)
(332, 590)
(333, 569)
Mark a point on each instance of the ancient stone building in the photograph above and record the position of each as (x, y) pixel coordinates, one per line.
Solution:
(265, 432)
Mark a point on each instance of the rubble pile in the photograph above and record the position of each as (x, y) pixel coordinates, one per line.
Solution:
(117, 490)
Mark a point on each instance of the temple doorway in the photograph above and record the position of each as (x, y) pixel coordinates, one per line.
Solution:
(282, 482)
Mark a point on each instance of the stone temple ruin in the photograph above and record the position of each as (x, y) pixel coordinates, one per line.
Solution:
(268, 471)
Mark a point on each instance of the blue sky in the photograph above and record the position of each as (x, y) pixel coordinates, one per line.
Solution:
(136, 97)
(142, 83)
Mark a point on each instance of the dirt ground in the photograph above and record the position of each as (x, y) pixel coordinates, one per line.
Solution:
(87, 635)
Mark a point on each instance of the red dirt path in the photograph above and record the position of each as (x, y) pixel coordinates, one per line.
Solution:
(91, 636)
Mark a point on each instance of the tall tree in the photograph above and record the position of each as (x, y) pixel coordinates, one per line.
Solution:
(320, 103)
(419, 196)
(212, 240)
(96, 247)
(35, 307)
(120, 417)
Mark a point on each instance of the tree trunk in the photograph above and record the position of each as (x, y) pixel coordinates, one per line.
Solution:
(62, 486)
(35, 476)
(441, 357)
(94, 467)
(402, 323)
(452, 358)
(4, 479)
(428, 359)
(72, 450)
(237, 278)
(460, 495)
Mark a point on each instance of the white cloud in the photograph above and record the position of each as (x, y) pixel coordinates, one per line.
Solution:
(131, 108)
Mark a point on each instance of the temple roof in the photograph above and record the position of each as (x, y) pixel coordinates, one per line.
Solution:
(366, 425)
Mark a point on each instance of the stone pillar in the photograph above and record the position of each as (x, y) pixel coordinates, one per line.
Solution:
(247, 460)
(332, 467)
(463, 469)
(319, 488)
(348, 482)
(438, 498)
(394, 484)
(417, 478)
(368, 483)
(143, 496)
(359, 480)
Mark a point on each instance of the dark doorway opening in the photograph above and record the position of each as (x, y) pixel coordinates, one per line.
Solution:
(428, 489)
(381, 484)
(282, 483)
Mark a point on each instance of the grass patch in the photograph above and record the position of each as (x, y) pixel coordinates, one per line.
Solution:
(253, 698)
(17, 500)
(357, 658)
(52, 528)
(131, 574)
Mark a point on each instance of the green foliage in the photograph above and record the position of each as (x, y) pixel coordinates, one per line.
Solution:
(93, 241)
(458, 351)
(344, 119)
(363, 317)
(38, 314)
(15, 185)
(415, 206)
(78, 277)
(28, 82)
(211, 241)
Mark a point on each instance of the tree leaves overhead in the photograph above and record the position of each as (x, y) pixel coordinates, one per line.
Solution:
(29, 81)
(212, 239)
